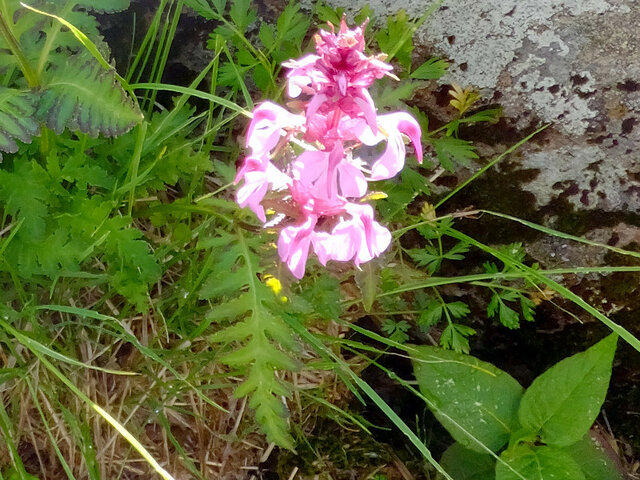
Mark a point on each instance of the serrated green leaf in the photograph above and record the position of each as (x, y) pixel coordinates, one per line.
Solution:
(454, 337)
(450, 149)
(563, 402)
(17, 118)
(468, 393)
(388, 38)
(458, 309)
(104, 6)
(83, 96)
(243, 14)
(205, 8)
(431, 315)
(464, 464)
(508, 317)
(391, 93)
(432, 69)
(538, 463)
(267, 35)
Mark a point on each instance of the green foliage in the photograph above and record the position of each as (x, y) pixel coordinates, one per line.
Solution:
(258, 332)
(432, 69)
(81, 95)
(475, 401)
(17, 109)
(464, 464)
(546, 426)
(562, 404)
(394, 40)
(450, 149)
(396, 331)
(503, 296)
(68, 87)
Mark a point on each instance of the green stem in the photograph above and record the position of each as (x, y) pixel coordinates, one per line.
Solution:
(14, 46)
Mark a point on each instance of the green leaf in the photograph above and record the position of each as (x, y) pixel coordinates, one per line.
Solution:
(17, 120)
(468, 394)
(455, 336)
(464, 464)
(431, 315)
(458, 309)
(326, 13)
(267, 35)
(83, 96)
(368, 280)
(563, 402)
(396, 331)
(104, 6)
(450, 149)
(538, 463)
(292, 25)
(207, 9)
(325, 297)
(243, 14)
(388, 38)
(432, 69)
(392, 94)
(508, 317)
(595, 464)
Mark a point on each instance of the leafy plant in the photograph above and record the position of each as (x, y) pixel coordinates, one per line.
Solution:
(544, 428)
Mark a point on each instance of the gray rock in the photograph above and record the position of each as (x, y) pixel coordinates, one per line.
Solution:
(572, 63)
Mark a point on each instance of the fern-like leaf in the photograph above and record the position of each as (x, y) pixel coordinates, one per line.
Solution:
(83, 96)
(104, 6)
(259, 334)
(17, 108)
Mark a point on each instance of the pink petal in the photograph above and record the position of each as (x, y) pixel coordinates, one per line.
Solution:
(266, 126)
(351, 180)
(293, 246)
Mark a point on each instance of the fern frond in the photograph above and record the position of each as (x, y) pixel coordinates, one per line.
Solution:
(17, 108)
(83, 96)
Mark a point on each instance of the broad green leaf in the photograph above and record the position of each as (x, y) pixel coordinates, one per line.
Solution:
(17, 120)
(595, 464)
(432, 69)
(83, 96)
(464, 464)
(469, 394)
(368, 280)
(538, 463)
(563, 402)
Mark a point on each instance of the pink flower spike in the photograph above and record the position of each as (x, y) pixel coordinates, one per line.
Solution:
(266, 127)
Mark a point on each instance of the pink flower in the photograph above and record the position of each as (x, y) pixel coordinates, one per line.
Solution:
(360, 238)
(314, 192)
(269, 122)
(339, 73)
(258, 175)
(330, 173)
(391, 128)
